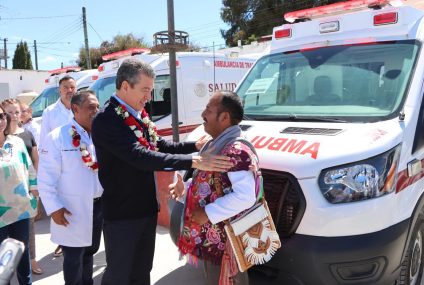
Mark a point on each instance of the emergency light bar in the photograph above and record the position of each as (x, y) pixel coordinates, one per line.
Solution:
(65, 70)
(334, 9)
(122, 53)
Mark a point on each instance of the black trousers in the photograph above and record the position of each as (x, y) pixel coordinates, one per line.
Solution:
(130, 247)
(78, 261)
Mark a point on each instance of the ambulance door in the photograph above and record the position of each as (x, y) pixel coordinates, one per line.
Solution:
(159, 107)
(194, 74)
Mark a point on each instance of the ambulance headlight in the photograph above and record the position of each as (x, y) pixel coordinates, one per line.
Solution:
(366, 179)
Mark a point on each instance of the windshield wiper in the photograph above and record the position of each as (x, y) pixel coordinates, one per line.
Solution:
(294, 117)
(247, 118)
(324, 119)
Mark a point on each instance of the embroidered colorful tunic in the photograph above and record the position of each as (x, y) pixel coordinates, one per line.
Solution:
(207, 242)
(17, 177)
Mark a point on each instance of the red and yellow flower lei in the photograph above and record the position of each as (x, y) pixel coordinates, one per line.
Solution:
(87, 159)
(138, 128)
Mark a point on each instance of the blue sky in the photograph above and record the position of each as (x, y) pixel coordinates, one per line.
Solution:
(57, 25)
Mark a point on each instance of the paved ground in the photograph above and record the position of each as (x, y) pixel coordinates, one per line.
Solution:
(167, 269)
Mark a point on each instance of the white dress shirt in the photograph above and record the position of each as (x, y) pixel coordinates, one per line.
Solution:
(241, 198)
(54, 116)
(65, 181)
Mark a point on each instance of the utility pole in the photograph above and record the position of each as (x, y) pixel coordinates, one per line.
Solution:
(5, 53)
(173, 72)
(35, 55)
(87, 49)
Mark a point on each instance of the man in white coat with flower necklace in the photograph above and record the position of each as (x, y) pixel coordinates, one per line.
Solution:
(71, 191)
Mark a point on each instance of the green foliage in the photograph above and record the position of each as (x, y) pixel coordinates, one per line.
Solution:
(252, 19)
(22, 57)
(119, 42)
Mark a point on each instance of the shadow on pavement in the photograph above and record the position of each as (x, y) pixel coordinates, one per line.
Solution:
(187, 274)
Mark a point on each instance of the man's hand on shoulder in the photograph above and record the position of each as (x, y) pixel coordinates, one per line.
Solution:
(59, 217)
(210, 162)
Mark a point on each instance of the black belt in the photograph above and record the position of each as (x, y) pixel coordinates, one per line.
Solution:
(96, 199)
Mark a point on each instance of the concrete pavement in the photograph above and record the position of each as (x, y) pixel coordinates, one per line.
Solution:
(167, 269)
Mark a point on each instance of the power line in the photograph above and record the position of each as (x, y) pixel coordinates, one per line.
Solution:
(37, 17)
(57, 33)
(69, 33)
(42, 43)
(100, 37)
(59, 55)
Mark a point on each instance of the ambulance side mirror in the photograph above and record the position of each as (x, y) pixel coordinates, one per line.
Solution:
(392, 74)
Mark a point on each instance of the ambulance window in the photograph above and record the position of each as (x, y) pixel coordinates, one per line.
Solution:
(263, 88)
(104, 88)
(45, 99)
(160, 106)
(419, 132)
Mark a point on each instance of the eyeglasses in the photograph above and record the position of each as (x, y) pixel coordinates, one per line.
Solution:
(2, 116)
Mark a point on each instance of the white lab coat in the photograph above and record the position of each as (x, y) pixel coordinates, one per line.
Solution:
(54, 116)
(65, 181)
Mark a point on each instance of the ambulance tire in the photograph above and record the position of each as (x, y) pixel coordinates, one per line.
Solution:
(175, 221)
(412, 264)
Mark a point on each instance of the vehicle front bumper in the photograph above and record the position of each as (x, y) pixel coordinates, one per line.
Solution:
(373, 258)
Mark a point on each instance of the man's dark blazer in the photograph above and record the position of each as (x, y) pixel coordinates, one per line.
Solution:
(126, 168)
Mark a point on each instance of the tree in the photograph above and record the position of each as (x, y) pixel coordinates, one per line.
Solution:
(119, 42)
(22, 57)
(251, 19)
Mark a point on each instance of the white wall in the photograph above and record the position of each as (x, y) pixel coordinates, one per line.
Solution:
(20, 81)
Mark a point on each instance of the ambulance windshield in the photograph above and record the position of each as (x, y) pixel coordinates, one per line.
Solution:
(357, 83)
(45, 99)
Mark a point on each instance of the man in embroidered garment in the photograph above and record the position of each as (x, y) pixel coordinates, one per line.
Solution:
(59, 113)
(129, 151)
(203, 235)
(71, 191)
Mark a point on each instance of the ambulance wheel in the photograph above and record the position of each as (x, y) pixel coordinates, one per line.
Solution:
(175, 222)
(412, 265)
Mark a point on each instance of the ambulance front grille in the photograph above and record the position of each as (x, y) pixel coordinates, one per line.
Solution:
(285, 201)
(311, 131)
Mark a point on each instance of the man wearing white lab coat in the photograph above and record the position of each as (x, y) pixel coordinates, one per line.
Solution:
(59, 113)
(70, 190)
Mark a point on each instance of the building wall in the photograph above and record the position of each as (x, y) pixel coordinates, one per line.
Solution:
(16, 81)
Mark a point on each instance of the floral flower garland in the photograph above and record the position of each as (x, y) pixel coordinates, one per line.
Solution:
(85, 155)
(138, 128)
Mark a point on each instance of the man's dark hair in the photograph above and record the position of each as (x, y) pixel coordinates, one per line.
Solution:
(66, 78)
(231, 103)
(80, 97)
(130, 70)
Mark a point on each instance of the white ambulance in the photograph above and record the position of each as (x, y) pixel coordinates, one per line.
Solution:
(336, 113)
(50, 94)
(198, 75)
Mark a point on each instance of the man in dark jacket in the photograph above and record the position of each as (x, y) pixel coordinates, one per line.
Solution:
(128, 152)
